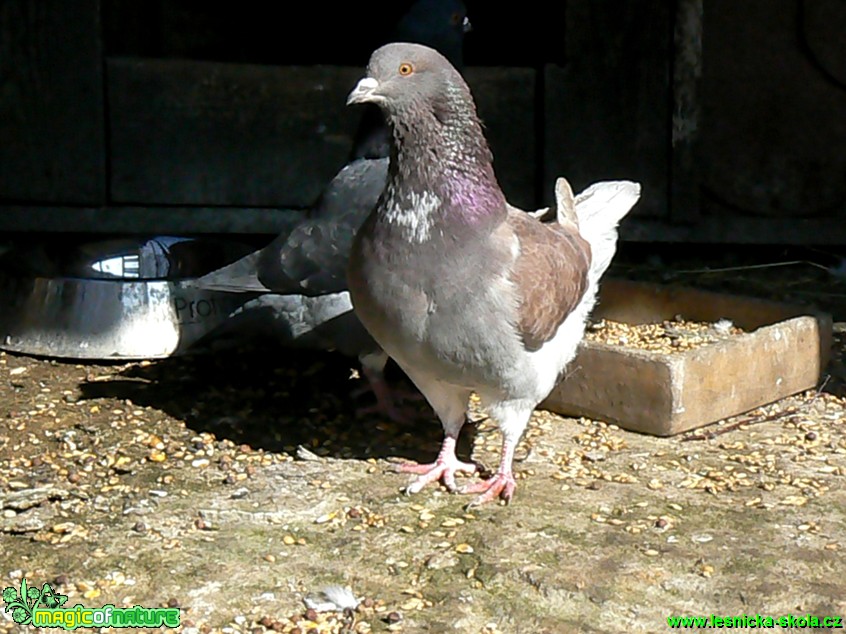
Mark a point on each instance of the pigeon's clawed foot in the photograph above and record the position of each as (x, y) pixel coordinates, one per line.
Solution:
(443, 469)
(501, 485)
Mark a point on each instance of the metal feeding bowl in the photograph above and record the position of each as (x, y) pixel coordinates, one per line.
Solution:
(121, 299)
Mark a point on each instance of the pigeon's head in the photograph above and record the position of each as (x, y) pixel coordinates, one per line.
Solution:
(403, 76)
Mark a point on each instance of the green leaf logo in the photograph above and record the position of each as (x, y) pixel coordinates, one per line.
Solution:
(9, 594)
(50, 598)
(21, 604)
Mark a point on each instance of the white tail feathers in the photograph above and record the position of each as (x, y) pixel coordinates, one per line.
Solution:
(565, 204)
(598, 211)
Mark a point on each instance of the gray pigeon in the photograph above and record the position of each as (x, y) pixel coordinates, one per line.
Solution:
(465, 292)
(301, 275)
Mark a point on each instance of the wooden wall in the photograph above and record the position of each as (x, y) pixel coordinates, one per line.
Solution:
(173, 117)
(51, 102)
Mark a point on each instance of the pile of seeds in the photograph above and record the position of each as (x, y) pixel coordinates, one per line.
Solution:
(667, 337)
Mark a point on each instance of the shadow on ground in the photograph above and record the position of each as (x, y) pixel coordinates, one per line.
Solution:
(277, 399)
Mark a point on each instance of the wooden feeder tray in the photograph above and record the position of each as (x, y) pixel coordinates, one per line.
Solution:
(783, 351)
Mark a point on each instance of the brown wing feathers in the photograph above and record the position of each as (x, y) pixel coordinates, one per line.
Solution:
(550, 274)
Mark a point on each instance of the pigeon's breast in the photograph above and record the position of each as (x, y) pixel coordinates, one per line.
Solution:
(445, 308)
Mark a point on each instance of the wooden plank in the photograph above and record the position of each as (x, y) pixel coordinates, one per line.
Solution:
(51, 102)
(191, 220)
(737, 230)
(783, 352)
(235, 134)
(686, 116)
(607, 111)
(201, 133)
(505, 99)
(145, 220)
(773, 116)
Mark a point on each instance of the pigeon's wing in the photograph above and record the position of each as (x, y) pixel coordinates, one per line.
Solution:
(238, 277)
(550, 275)
(353, 192)
(312, 259)
(306, 256)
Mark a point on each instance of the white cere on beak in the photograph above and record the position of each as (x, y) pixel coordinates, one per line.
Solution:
(362, 89)
(367, 83)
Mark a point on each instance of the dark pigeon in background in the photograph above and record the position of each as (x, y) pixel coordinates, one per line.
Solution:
(301, 275)
(465, 292)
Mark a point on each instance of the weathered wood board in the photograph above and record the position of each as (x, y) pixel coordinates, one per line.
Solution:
(606, 113)
(51, 102)
(202, 133)
(773, 124)
(784, 351)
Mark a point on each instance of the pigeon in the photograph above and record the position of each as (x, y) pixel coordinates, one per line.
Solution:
(300, 277)
(464, 291)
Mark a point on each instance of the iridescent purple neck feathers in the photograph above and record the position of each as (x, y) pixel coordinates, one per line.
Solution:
(441, 167)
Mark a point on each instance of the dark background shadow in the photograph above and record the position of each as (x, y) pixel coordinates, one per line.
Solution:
(277, 399)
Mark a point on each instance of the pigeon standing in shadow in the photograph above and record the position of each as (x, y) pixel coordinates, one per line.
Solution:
(300, 277)
(465, 292)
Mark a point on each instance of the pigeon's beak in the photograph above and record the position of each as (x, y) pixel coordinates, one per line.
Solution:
(363, 91)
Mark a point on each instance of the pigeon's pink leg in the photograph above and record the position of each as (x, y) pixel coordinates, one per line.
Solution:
(502, 484)
(443, 469)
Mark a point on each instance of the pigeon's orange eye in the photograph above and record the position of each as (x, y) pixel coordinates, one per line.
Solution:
(406, 69)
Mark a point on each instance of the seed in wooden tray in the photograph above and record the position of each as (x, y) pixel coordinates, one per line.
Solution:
(668, 337)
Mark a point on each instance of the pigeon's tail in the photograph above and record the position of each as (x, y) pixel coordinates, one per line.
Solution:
(598, 211)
